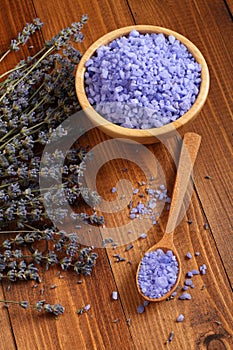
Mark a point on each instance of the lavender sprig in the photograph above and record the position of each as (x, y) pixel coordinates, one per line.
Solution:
(56, 309)
(23, 37)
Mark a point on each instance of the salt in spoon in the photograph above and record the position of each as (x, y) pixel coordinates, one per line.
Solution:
(188, 154)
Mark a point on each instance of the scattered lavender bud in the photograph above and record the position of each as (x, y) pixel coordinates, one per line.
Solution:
(218, 323)
(114, 295)
(140, 309)
(180, 318)
(170, 338)
(116, 320)
(53, 286)
(118, 258)
(185, 296)
(24, 304)
(129, 247)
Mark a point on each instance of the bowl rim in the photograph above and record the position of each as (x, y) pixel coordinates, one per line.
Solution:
(114, 130)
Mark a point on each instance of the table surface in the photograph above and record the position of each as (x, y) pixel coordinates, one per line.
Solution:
(208, 316)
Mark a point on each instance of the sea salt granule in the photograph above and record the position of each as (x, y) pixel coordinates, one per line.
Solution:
(142, 81)
(87, 307)
(185, 296)
(114, 295)
(189, 274)
(158, 273)
(185, 288)
(140, 309)
(203, 269)
(180, 318)
(189, 255)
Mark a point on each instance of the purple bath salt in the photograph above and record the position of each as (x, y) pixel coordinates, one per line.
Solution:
(140, 309)
(203, 269)
(142, 81)
(158, 273)
(114, 295)
(180, 318)
(185, 296)
(189, 255)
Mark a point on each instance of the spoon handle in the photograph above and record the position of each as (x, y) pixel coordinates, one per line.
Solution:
(188, 154)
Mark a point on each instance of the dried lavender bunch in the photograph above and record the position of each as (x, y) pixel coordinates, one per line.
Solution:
(20, 255)
(34, 101)
(35, 98)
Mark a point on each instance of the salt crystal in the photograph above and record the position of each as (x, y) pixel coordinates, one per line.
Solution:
(114, 295)
(185, 296)
(87, 307)
(189, 255)
(180, 318)
(140, 309)
(139, 69)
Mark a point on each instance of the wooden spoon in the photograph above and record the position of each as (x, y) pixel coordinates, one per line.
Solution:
(188, 154)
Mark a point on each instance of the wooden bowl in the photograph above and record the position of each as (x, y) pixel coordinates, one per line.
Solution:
(144, 136)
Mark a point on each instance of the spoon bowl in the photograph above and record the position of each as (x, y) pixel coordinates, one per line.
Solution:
(188, 154)
(165, 244)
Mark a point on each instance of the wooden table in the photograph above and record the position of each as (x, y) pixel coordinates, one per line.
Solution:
(208, 316)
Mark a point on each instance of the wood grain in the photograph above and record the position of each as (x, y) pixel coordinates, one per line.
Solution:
(215, 122)
(208, 316)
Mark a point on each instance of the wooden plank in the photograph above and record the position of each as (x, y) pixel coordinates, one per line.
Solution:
(95, 329)
(216, 47)
(211, 297)
(92, 330)
(104, 16)
(6, 335)
(229, 6)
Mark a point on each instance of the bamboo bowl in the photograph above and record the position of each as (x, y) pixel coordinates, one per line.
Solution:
(144, 136)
